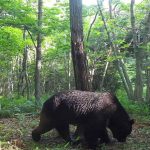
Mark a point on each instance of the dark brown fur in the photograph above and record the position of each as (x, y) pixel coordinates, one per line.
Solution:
(90, 111)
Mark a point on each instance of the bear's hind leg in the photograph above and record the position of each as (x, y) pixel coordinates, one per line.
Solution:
(104, 138)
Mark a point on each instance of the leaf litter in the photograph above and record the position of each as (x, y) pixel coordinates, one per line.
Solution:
(15, 134)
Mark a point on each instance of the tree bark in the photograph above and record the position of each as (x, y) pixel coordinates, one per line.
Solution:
(146, 38)
(23, 84)
(78, 54)
(105, 71)
(121, 66)
(148, 85)
(38, 55)
(138, 91)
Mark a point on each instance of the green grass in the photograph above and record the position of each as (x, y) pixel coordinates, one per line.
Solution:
(9, 107)
(19, 128)
(134, 107)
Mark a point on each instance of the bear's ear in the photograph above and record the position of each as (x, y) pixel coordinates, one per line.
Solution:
(132, 121)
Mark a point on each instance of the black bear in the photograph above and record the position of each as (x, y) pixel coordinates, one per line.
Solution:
(92, 112)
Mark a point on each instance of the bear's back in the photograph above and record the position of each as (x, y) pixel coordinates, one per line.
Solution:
(84, 102)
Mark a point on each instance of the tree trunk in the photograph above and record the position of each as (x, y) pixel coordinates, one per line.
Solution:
(38, 55)
(105, 71)
(148, 85)
(69, 71)
(119, 63)
(23, 84)
(78, 55)
(10, 82)
(146, 38)
(138, 92)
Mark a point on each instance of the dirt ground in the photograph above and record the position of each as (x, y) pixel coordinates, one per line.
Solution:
(15, 134)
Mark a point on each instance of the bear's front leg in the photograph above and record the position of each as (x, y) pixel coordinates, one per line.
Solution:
(104, 138)
(45, 125)
(91, 136)
(91, 141)
(63, 130)
(78, 136)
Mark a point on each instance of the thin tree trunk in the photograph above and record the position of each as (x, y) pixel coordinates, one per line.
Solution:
(105, 71)
(69, 71)
(122, 68)
(78, 54)
(119, 64)
(23, 84)
(148, 86)
(138, 92)
(19, 62)
(146, 38)
(38, 55)
(10, 84)
(88, 35)
(31, 37)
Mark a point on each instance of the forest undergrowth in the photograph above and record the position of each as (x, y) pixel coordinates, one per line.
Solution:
(19, 118)
(15, 133)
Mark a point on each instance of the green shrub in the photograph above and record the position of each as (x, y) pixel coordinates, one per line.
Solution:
(9, 107)
(134, 107)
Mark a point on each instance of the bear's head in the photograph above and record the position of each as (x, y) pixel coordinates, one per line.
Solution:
(121, 129)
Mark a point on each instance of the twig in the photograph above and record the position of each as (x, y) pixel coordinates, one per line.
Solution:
(92, 25)
(105, 71)
(31, 38)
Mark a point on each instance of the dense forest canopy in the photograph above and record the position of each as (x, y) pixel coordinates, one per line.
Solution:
(47, 46)
(116, 42)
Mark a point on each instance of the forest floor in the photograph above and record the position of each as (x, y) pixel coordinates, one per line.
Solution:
(15, 134)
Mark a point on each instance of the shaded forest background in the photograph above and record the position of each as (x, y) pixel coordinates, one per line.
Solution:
(35, 51)
(48, 46)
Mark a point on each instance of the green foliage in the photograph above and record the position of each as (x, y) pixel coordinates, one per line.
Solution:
(11, 41)
(134, 107)
(5, 113)
(16, 13)
(9, 107)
